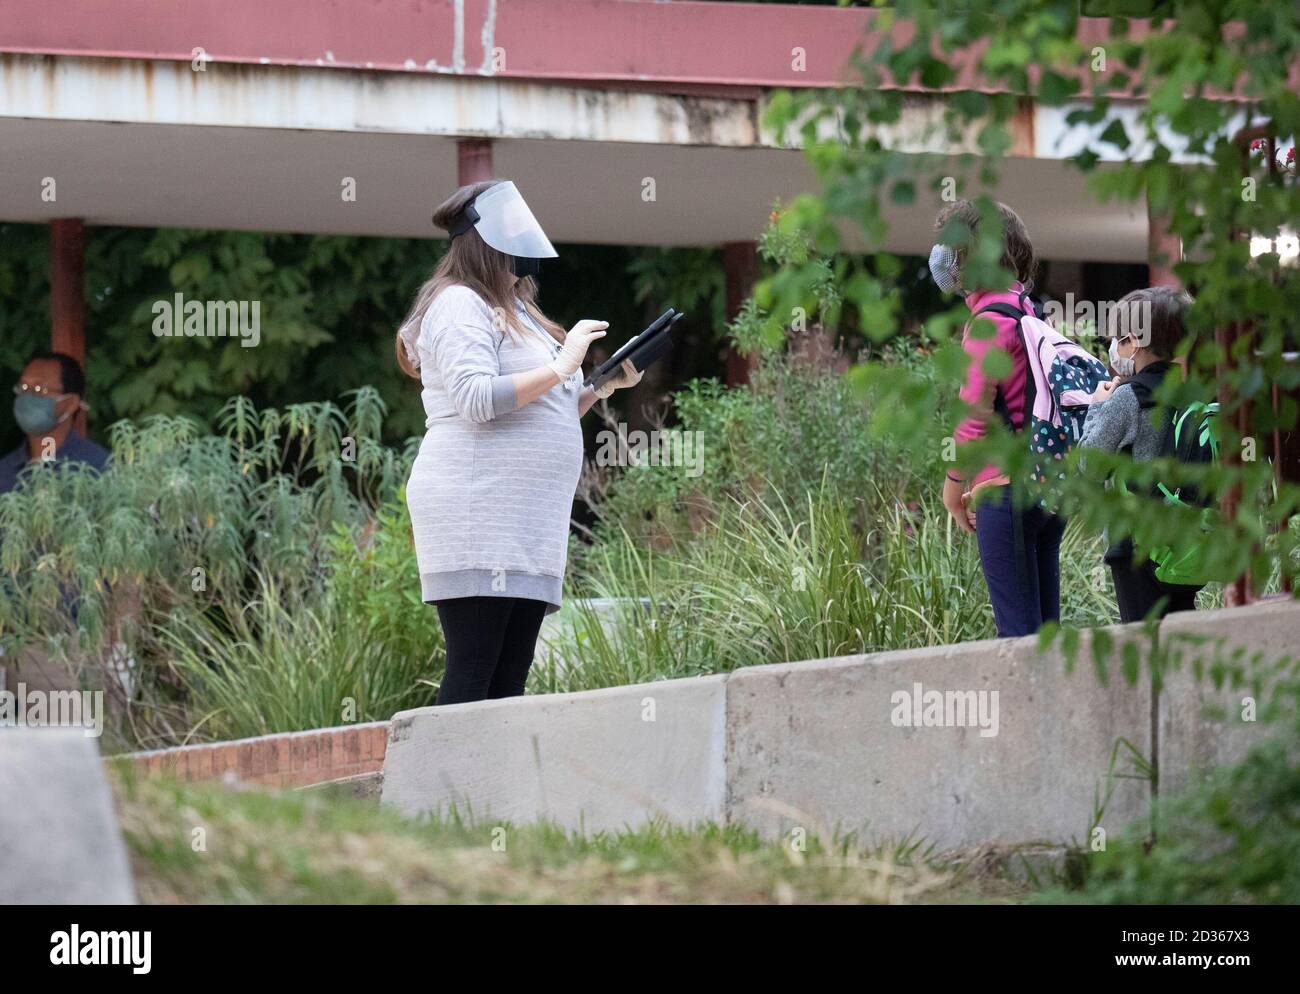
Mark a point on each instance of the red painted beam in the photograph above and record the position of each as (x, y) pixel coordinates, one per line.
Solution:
(68, 288)
(696, 47)
(631, 40)
(1164, 251)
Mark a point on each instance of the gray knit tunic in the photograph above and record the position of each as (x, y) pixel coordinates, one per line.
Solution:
(491, 490)
(1120, 423)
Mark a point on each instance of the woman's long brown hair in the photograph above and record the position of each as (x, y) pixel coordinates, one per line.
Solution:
(472, 262)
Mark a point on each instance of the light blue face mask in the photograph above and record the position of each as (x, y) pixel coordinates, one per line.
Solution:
(35, 413)
(944, 269)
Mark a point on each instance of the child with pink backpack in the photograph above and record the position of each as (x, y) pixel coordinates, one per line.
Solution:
(1043, 397)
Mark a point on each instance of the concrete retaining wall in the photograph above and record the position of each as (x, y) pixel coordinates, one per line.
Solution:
(1223, 661)
(833, 744)
(597, 760)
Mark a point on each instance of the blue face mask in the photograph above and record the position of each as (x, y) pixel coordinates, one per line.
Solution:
(944, 269)
(35, 412)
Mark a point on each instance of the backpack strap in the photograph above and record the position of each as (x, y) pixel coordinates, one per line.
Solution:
(1006, 310)
(999, 402)
(1035, 308)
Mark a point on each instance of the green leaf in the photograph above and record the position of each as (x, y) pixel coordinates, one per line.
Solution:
(1070, 647)
(1132, 662)
(903, 193)
(1115, 134)
(1101, 648)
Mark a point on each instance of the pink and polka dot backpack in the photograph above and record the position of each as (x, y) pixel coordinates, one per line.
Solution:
(1061, 376)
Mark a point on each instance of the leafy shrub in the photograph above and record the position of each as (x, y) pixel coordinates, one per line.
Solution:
(358, 645)
(375, 578)
(290, 661)
(799, 427)
(1231, 839)
(183, 528)
(806, 536)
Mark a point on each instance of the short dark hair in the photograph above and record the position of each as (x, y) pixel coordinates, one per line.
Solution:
(71, 377)
(1167, 327)
(1017, 250)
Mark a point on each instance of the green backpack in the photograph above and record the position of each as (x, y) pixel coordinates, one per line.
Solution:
(1189, 437)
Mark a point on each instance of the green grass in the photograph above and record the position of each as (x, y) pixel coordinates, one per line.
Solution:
(770, 581)
(261, 846)
(288, 662)
(1233, 838)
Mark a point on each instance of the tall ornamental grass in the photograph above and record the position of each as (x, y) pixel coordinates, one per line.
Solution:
(289, 662)
(769, 582)
(183, 531)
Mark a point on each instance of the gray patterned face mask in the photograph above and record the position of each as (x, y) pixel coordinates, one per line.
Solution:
(944, 269)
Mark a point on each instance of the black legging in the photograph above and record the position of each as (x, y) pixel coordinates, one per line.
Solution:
(490, 644)
(1138, 591)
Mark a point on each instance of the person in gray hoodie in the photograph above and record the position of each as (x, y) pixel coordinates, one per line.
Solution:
(1146, 327)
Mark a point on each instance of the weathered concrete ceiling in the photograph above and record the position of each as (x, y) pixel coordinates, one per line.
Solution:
(269, 148)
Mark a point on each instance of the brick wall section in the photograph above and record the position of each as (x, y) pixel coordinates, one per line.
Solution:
(292, 759)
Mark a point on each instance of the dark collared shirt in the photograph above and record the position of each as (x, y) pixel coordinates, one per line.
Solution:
(77, 448)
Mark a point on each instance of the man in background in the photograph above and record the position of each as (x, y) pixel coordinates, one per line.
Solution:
(46, 400)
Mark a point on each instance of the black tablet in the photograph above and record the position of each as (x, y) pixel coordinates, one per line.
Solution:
(642, 349)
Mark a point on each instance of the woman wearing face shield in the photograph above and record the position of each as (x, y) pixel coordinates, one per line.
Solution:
(491, 490)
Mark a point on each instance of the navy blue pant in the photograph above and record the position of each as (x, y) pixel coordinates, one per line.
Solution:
(1020, 551)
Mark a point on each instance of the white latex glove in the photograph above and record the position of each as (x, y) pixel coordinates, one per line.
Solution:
(628, 376)
(576, 343)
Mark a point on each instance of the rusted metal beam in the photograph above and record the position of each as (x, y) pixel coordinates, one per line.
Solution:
(68, 294)
(473, 160)
(740, 268)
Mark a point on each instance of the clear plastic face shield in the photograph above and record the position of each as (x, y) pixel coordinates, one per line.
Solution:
(503, 220)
